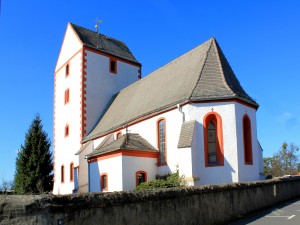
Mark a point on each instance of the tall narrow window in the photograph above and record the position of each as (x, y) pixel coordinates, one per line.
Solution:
(104, 182)
(62, 173)
(71, 172)
(113, 66)
(212, 143)
(67, 96)
(247, 140)
(67, 70)
(162, 140)
(141, 177)
(213, 140)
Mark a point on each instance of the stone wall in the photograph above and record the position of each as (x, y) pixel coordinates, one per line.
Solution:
(212, 204)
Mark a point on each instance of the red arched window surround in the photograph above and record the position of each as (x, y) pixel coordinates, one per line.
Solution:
(72, 172)
(62, 174)
(140, 177)
(216, 120)
(104, 182)
(247, 137)
(118, 134)
(161, 141)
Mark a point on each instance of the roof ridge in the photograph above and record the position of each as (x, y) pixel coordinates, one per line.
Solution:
(177, 58)
(104, 35)
(196, 83)
(221, 67)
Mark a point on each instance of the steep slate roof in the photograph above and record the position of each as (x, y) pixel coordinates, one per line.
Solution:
(199, 75)
(186, 134)
(133, 142)
(104, 43)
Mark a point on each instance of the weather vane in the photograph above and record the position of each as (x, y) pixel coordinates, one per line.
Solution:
(97, 24)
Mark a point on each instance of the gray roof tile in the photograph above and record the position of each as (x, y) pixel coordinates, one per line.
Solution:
(201, 74)
(104, 43)
(186, 134)
(126, 142)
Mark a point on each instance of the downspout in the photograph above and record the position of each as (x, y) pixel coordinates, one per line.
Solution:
(180, 110)
(88, 173)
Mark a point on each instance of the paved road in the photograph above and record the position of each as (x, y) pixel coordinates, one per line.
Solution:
(287, 213)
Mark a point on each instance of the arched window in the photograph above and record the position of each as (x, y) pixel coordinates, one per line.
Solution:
(104, 182)
(213, 140)
(141, 177)
(247, 140)
(71, 172)
(62, 173)
(161, 133)
(119, 134)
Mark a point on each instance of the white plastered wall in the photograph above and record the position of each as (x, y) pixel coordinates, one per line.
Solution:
(110, 166)
(147, 129)
(69, 113)
(71, 44)
(133, 164)
(247, 172)
(101, 84)
(190, 161)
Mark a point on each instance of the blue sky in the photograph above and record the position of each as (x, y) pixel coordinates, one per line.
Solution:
(259, 38)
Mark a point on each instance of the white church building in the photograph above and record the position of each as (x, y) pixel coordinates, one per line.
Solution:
(114, 130)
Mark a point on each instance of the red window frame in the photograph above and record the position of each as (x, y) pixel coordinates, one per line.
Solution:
(67, 130)
(71, 172)
(62, 174)
(118, 135)
(217, 121)
(104, 182)
(137, 177)
(67, 96)
(67, 70)
(113, 65)
(247, 137)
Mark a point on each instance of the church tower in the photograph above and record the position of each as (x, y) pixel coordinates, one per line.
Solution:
(90, 70)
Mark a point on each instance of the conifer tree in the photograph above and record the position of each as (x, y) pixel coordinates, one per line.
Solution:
(34, 163)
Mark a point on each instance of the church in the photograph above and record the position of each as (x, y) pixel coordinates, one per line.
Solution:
(114, 129)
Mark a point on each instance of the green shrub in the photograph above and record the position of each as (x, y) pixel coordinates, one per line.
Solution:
(171, 180)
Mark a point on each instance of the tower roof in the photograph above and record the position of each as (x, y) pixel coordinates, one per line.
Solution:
(104, 43)
(202, 74)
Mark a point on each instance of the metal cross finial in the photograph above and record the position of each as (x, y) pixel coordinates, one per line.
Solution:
(97, 24)
(212, 109)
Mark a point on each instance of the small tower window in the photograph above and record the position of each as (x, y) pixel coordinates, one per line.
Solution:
(113, 66)
(71, 172)
(67, 130)
(67, 96)
(67, 70)
(62, 170)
